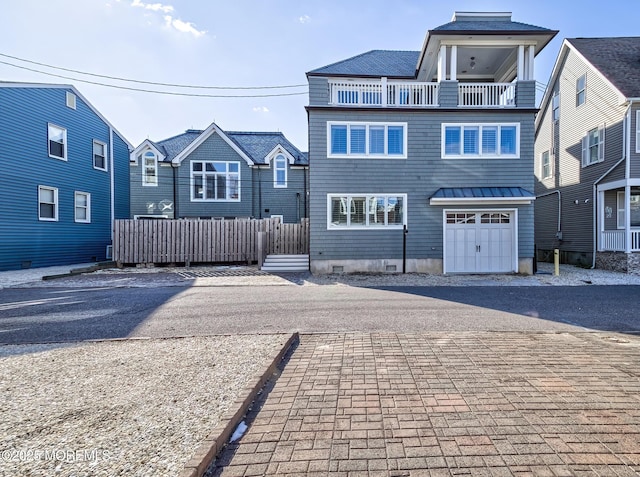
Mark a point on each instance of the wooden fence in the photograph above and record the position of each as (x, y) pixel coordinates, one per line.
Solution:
(206, 241)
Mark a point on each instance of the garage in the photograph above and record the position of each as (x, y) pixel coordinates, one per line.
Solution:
(480, 241)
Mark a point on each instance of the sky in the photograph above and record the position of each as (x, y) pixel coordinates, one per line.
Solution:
(243, 43)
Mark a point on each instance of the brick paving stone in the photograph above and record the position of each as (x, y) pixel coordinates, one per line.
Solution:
(534, 404)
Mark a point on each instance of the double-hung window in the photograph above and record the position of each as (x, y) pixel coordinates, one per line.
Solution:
(366, 211)
(545, 161)
(634, 209)
(215, 181)
(99, 155)
(149, 169)
(47, 203)
(365, 140)
(57, 139)
(481, 140)
(581, 90)
(280, 171)
(555, 106)
(82, 207)
(593, 146)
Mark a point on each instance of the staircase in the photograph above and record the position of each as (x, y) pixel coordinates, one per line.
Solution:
(286, 263)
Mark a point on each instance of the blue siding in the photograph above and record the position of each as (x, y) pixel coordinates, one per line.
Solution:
(27, 241)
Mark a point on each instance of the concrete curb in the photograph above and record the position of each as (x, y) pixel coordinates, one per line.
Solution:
(80, 271)
(219, 437)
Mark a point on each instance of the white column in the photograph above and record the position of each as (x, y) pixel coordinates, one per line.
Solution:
(627, 219)
(532, 51)
(385, 93)
(600, 217)
(521, 63)
(442, 64)
(454, 63)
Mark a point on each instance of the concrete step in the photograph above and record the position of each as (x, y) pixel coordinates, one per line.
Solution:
(286, 263)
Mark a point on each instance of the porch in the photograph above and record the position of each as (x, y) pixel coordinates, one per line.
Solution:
(616, 240)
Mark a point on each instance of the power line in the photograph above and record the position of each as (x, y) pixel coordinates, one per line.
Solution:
(173, 85)
(170, 93)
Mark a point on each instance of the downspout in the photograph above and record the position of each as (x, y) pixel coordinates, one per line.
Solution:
(559, 209)
(175, 192)
(625, 148)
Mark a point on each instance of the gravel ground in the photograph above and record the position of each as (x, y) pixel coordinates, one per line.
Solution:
(137, 407)
(211, 276)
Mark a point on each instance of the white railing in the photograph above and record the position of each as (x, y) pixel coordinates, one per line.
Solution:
(615, 240)
(612, 240)
(635, 240)
(484, 95)
(383, 93)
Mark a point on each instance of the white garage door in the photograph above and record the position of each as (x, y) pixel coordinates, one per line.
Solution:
(479, 242)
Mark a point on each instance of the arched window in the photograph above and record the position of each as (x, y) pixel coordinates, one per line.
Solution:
(150, 169)
(280, 171)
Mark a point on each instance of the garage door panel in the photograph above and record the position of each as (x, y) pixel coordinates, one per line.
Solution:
(483, 244)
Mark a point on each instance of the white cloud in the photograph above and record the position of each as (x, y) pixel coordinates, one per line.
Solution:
(304, 19)
(260, 109)
(154, 7)
(184, 27)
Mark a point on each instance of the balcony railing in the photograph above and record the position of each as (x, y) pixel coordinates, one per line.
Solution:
(614, 240)
(383, 93)
(487, 95)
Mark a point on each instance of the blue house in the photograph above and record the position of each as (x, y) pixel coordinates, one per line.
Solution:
(64, 177)
(423, 160)
(213, 173)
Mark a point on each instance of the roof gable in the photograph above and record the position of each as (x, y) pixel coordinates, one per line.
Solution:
(279, 150)
(144, 145)
(8, 84)
(212, 129)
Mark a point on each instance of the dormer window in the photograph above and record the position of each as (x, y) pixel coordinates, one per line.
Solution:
(280, 171)
(150, 169)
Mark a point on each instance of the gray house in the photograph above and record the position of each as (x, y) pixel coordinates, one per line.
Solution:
(434, 147)
(213, 173)
(588, 155)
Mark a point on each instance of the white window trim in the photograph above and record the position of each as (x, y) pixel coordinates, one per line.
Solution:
(585, 146)
(579, 91)
(64, 139)
(274, 162)
(367, 125)
(479, 155)
(620, 201)
(55, 200)
(71, 100)
(555, 106)
(93, 159)
(145, 183)
(542, 176)
(638, 131)
(368, 196)
(192, 182)
(88, 207)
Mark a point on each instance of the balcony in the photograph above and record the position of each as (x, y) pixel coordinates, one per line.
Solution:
(411, 94)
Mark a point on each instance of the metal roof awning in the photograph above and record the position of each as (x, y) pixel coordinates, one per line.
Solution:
(481, 196)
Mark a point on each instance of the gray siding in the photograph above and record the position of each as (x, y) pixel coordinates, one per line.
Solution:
(448, 94)
(635, 156)
(145, 200)
(526, 94)
(419, 176)
(290, 202)
(214, 148)
(318, 91)
(564, 139)
(611, 200)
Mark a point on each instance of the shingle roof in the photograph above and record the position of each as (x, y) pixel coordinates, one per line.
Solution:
(172, 146)
(488, 26)
(618, 59)
(481, 193)
(256, 145)
(375, 63)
